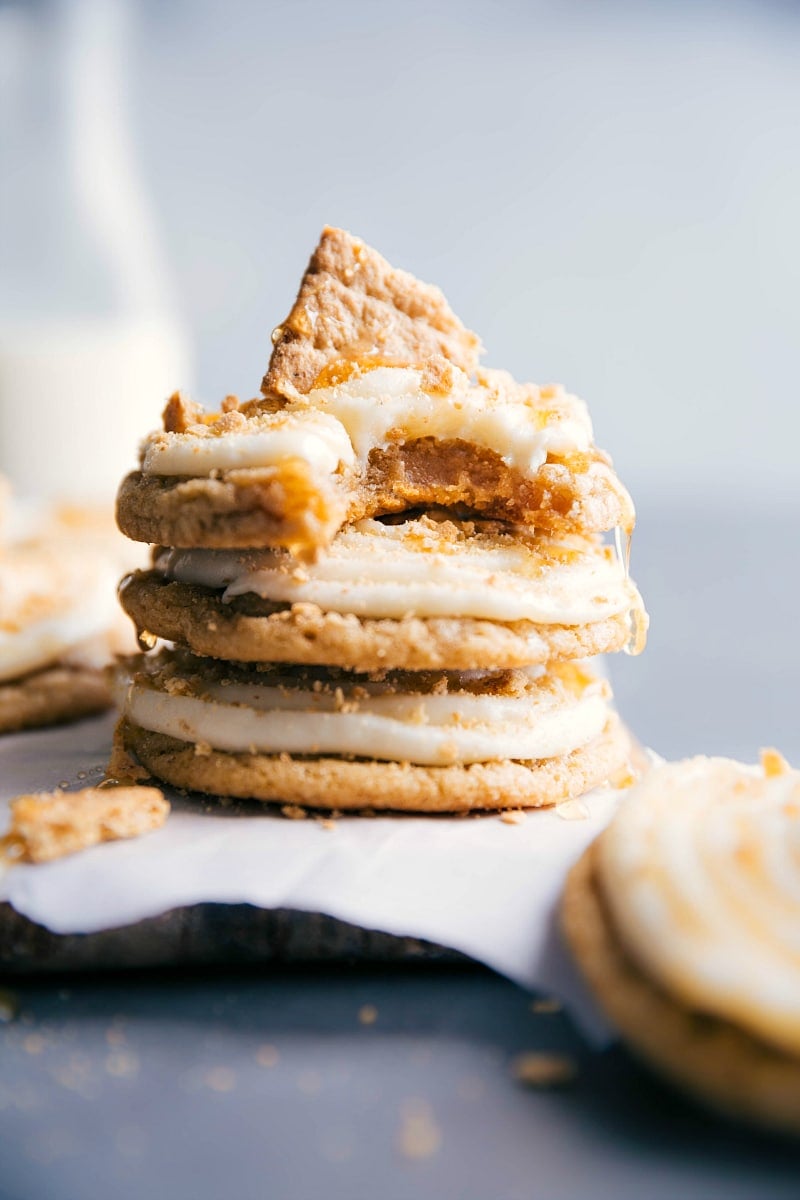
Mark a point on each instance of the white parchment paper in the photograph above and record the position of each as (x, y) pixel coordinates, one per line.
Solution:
(476, 884)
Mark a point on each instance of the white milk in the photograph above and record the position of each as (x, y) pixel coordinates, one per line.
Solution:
(89, 344)
(77, 396)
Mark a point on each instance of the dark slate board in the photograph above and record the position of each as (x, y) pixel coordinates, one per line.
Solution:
(204, 934)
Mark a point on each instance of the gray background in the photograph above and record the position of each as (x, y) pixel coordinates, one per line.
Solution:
(607, 192)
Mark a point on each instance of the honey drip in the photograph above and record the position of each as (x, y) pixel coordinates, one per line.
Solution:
(622, 543)
(637, 616)
(341, 369)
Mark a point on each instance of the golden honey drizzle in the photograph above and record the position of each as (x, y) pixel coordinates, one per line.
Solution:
(341, 369)
(637, 616)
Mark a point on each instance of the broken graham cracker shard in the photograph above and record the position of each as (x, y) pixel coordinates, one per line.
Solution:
(50, 825)
(353, 304)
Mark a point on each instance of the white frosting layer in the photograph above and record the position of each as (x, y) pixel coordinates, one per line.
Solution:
(701, 870)
(314, 438)
(434, 730)
(376, 570)
(388, 399)
(49, 610)
(331, 425)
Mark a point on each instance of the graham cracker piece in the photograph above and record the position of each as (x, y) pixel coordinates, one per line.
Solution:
(353, 304)
(50, 825)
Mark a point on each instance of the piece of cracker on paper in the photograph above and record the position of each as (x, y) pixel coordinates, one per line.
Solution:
(46, 825)
(353, 304)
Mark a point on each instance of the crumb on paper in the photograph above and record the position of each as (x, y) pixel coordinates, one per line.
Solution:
(49, 825)
(419, 1135)
(572, 810)
(546, 1005)
(773, 763)
(513, 816)
(368, 1014)
(537, 1070)
(326, 823)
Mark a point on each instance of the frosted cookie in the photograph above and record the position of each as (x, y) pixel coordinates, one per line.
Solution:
(59, 625)
(425, 742)
(54, 695)
(56, 528)
(683, 916)
(346, 432)
(428, 592)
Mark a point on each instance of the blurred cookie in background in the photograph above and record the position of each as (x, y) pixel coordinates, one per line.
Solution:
(60, 622)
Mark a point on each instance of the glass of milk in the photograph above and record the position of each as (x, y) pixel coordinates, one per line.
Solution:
(90, 340)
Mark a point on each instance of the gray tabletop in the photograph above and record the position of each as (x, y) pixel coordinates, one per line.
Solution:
(399, 1083)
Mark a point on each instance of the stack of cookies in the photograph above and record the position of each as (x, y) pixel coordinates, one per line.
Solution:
(380, 580)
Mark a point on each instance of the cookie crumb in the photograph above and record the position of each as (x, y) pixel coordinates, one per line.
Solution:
(33, 1043)
(572, 810)
(537, 1070)
(202, 749)
(368, 1014)
(267, 1055)
(293, 812)
(773, 763)
(46, 826)
(180, 413)
(513, 816)
(546, 1004)
(419, 1135)
(220, 1079)
(122, 1063)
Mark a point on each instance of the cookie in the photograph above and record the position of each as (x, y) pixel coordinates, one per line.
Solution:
(252, 630)
(337, 783)
(289, 505)
(352, 302)
(53, 696)
(422, 593)
(709, 1001)
(60, 623)
(521, 727)
(373, 403)
(255, 508)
